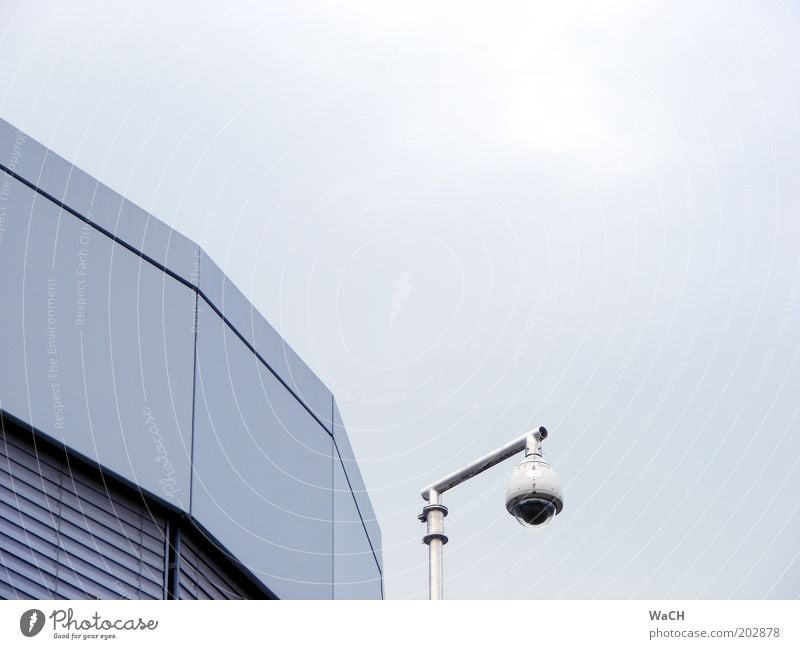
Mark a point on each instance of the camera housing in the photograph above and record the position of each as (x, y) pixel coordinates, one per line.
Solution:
(534, 494)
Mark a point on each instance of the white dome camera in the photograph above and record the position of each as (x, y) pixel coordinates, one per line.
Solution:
(534, 495)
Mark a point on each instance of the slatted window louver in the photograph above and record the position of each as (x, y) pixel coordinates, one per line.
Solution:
(66, 534)
(202, 576)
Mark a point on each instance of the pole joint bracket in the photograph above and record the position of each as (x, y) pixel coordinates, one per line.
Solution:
(423, 517)
(435, 523)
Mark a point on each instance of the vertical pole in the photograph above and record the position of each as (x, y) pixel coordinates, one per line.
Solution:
(435, 546)
(433, 514)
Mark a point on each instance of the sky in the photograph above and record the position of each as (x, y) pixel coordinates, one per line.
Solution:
(472, 219)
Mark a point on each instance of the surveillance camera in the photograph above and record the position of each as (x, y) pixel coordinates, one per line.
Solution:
(534, 494)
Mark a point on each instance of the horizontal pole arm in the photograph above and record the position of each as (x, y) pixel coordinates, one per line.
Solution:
(479, 466)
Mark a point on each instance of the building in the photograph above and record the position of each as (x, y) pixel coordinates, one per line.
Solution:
(159, 438)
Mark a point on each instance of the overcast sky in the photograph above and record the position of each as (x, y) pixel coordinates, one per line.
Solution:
(475, 218)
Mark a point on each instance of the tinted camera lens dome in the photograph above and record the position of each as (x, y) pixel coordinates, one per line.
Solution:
(534, 512)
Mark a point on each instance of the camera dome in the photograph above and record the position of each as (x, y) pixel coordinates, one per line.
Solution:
(534, 494)
(534, 512)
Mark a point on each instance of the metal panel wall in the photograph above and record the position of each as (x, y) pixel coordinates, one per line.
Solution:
(79, 192)
(262, 467)
(356, 482)
(98, 352)
(282, 359)
(355, 568)
(97, 345)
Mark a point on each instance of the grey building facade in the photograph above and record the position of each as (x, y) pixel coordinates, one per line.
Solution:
(160, 439)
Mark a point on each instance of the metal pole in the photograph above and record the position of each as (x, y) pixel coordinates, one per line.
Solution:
(478, 466)
(434, 512)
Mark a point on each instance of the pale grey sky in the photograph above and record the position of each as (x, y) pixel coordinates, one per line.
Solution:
(474, 218)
